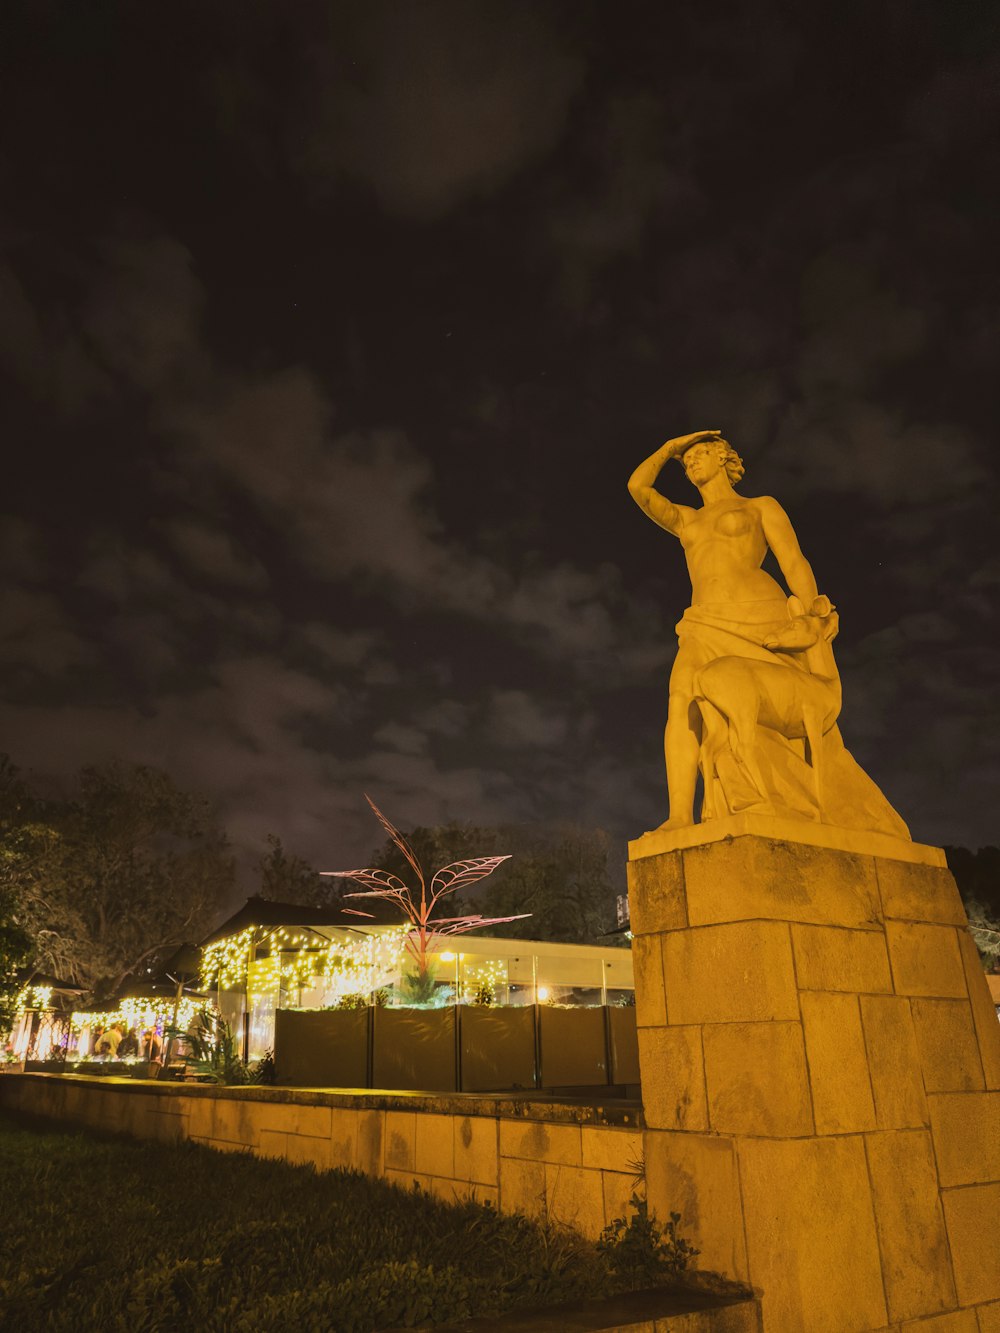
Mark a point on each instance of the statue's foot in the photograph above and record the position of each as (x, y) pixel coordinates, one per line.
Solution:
(669, 825)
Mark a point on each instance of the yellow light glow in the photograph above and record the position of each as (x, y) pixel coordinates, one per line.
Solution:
(543, 993)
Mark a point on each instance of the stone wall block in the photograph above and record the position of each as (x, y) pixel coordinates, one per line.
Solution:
(400, 1141)
(343, 1137)
(435, 1145)
(371, 1142)
(893, 1062)
(696, 1175)
(984, 1014)
(831, 959)
(303, 1149)
(959, 1321)
(540, 1142)
(735, 973)
(476, 1151)
(811, 1239)
(925, 960)
(522, 1186)
(673, 1078)
(838, 1063)
(742, 879)
(656, 894)
(910, 1224)
(757, 1080)
(574, 1196)
(610, 1148)
(989, 1317)
(618, 1188)
(971, 1214)
(919, 893)
(966, 1129)
(650, 998)
(272, 1143)
(949, 1051)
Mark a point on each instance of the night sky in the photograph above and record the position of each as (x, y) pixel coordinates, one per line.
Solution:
(330, 335)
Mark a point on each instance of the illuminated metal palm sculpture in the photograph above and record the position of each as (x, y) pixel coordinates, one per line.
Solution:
(425, 930)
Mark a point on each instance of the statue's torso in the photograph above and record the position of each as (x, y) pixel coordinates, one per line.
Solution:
(724, 544)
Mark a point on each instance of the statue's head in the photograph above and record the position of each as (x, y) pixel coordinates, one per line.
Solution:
(721, 450)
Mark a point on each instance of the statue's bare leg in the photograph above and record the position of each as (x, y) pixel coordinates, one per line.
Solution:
(681, 748)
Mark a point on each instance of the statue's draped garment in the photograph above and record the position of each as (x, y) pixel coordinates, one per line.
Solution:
(851, 799)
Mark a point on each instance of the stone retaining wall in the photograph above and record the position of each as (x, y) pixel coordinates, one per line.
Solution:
(570, 1163)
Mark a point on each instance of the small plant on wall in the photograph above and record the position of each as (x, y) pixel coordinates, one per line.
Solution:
(418, 903)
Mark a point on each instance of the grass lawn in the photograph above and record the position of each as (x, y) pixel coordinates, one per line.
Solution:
(112, 1234)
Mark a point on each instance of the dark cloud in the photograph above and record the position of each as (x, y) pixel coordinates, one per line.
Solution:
(325, 366)
(434, 103)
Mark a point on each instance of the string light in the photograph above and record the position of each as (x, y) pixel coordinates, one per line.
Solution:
(292, 959)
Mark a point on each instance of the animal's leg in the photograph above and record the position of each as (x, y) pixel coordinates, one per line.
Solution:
(713, 738)
(743, 743)
(813, 725)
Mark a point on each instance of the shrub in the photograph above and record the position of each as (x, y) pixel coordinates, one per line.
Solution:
(642, 1251)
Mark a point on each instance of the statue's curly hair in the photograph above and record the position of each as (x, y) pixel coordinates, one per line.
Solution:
(732, 462)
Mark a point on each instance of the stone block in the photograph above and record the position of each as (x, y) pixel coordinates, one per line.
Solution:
(984, 1014)
(989, 1317)
(756, 1078)
(966, 1129)
(919, 893)
(279, 1117)
(522, 1186)
(656, 894)
(476, 1150)
(959, 1321)
(313, 1121)
(574, 1196)
(271, 1143)
(838, 1063)
(696, 1175)
(946, 1040)
(408, 1181)
(647, 964)
(610, 1148)
(673, 1078)
(830, 959)
(915, 1260)
(343, 1137)
(739, 973)
(435, 1145)
(893, 1062)
(201, 1121)
(746, 879)
(618, 1188)
(540, 1142)
(810, 1232)
(925, 960)
(400, 1141)
(971, 1214)
(371, 1134)
(304, 1150)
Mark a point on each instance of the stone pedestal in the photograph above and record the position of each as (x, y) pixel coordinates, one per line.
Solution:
(820, 1065)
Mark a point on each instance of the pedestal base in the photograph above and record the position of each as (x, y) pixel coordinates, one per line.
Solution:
(820, 1065)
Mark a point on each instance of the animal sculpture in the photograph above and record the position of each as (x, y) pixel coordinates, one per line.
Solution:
(798, 697)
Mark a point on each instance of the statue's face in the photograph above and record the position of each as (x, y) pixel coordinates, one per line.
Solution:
(701, 462)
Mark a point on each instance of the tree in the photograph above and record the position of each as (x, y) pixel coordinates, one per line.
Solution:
(558, 875)
(120, 875)
(24, 844)
(977, 875)
(287, 878)
(561, 877)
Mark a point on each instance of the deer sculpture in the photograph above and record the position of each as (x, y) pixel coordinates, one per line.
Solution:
(736, 695)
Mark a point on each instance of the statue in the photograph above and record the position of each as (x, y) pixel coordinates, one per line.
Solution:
(754, 690)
